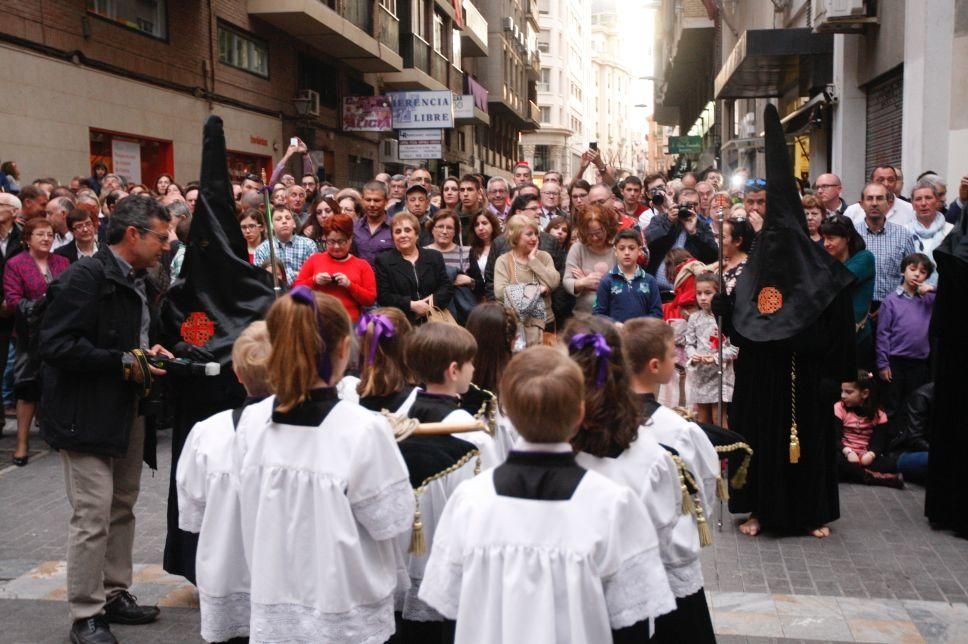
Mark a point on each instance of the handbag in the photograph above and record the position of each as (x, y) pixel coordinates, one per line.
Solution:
(438, 314)
(528, 305)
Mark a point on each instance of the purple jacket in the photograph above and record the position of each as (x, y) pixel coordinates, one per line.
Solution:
(23, 280)
(902, 327)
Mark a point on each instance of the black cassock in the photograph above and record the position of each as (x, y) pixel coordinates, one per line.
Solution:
(946, 505)
(785, 496)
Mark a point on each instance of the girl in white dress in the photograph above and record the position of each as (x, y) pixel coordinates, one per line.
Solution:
(540, 550)
(323, 489)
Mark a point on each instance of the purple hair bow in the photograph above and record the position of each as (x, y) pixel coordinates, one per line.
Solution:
(599, 346)
(382, 328)
(304, 295)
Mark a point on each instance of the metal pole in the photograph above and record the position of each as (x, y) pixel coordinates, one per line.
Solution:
(724, 466)
(266, 192)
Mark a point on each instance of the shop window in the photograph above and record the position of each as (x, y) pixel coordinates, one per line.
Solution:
(243, 51)
(243, 163)
(137, 159)
(541, 158)
(147, 16)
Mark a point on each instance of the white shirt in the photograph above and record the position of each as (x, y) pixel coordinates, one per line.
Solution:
(60, 240)
(208, 503)
(515, 570)
(901, 213)
(320, 509)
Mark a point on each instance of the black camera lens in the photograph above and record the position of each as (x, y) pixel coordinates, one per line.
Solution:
(658, 197)
(685, 212)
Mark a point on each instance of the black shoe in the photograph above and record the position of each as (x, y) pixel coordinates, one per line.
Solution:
(93, 630)
(20, 461)
(123, 609)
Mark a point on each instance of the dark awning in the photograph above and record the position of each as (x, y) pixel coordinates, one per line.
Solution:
(798, 121)
(688, 75)
(770, 62)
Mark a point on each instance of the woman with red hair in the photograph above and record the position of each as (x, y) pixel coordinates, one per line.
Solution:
(338, 273)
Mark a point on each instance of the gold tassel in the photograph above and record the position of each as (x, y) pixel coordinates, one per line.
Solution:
(705, 534)
(739, 479)
(794, 439)
(688, 506)
(794, 444)
(418, 545)
(722, 491)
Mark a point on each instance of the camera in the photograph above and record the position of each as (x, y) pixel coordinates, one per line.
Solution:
(685, 212)
(657, 196)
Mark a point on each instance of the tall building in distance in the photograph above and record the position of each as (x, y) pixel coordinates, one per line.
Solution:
(613, 80)
(563, 88)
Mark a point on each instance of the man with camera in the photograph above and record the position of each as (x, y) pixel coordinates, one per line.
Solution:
(95, 340)
(680, 227)
(658, 199)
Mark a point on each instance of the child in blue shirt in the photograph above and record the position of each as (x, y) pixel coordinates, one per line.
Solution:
(627, 291)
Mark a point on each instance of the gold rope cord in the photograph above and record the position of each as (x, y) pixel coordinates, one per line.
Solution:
(794, 438)
(418, 545)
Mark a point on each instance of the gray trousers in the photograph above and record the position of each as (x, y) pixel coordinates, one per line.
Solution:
(102, 492)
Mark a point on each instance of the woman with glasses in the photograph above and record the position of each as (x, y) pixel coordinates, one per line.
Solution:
(351, 206)
(591, 257)
(253, 231)
(319, 213)
(466, 274)
(25, 280)
(84, 229)
(337, 272)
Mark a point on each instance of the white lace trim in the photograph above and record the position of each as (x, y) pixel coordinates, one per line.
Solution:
(190, 514)
(638, 591)
(686, 579)
(368, 624)
(224, 617)
(387, 513)
(416, 609)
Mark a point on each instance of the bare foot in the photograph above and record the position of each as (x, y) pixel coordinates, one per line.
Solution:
(867, 458)
(750, 527)
(852, 457)
(821, 532)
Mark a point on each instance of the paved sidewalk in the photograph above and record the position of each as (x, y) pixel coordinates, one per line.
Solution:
(882, 576)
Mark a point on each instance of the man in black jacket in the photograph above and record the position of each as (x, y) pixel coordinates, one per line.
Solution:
(95, 332)
(679, 228)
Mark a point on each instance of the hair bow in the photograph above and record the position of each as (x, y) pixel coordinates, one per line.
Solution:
(599, 346)
(304, 295)
(382, 328)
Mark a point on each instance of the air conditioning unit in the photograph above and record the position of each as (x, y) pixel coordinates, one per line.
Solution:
(842, 16)
(310, 98)
(389, 151)
(509, 23)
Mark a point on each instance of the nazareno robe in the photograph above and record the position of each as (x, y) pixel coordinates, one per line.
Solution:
(785, 496)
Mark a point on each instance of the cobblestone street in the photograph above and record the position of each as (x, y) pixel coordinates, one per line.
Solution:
(883, 575)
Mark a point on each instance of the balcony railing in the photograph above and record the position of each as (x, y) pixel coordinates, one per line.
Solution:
(359, 13)
(389, 29)
(416, 53)
(475, 22)
(438, 68)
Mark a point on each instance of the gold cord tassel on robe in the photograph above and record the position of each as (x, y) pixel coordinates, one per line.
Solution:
(705, 534)
(794, 438)
(722, 491)
(418, 545)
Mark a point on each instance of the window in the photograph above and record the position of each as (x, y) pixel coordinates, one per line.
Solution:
(438, 35)
(543, 47)
(147, 16)
(243, 51)
(390, 6)
(541, 158)
(544, 85)
(455, 47)
(545, 114)
(420, 18)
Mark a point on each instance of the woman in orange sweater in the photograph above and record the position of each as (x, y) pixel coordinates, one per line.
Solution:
(338, 273)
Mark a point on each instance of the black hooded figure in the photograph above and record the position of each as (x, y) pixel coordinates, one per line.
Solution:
(791, 317)
(217, 296)
(945, 503)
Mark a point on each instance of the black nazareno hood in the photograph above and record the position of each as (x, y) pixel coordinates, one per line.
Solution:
(788, 280)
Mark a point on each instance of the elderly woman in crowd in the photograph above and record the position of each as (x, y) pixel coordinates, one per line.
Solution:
(468, 280)
(25, 280)
(350, 205)
(814, 212)
(337, 272)
(411, 278)
(517, 272)
(930, 226)
(591, 257)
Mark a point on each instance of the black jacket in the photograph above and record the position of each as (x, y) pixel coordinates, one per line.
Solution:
(70, 251)
(93, 316)
(398, 282)
(14, 246)
(662, 233)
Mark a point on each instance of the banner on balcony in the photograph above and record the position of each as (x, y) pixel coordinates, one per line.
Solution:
(367, 114)
(422, 110)
(420, 145)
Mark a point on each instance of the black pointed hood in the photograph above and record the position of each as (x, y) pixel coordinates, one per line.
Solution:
(788, 280)
(219, 292)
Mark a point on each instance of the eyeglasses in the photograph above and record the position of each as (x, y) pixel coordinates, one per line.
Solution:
(443, 227)
(41, 235)
(83, 225)
(827, 186)
(162, 237)
(876, 198)
(532, 207)
(251, 226)
(336, 242)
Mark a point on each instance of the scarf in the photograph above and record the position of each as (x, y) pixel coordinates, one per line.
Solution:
(927, 232)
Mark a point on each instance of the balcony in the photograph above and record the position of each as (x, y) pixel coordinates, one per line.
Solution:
(473, 38)
(534, 114)
(531, 11)
(363, 35)
(423, 68)
(533, 65)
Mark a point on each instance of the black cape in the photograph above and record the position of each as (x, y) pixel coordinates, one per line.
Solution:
(792, 307)
(945, 503)
(218, 294)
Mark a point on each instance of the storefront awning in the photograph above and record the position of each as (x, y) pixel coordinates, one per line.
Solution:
(771, 62)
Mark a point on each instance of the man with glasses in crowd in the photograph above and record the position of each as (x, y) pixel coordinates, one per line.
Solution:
(497, 198)
(550, 203)
(308, 182)
(658, 197)
(889, 242)
(84, 243)
(679, 228)
(828, 189)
